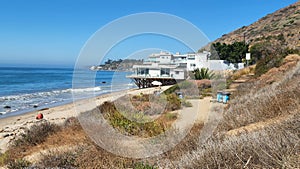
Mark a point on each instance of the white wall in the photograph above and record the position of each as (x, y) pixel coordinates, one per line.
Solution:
(154, 72)
(218, 65)
(165, 59)
(180, 74)
(200, 61)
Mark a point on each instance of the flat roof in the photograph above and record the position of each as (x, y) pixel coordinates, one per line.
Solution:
(155, 66)
(149, 77)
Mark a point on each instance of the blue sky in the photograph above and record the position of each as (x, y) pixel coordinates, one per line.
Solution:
(52, 33)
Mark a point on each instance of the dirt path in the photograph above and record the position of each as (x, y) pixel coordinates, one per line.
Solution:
(197, 113)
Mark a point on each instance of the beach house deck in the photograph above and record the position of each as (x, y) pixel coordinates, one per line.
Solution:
(167, 74)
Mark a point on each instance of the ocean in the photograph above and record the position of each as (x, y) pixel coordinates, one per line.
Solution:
(28, 89)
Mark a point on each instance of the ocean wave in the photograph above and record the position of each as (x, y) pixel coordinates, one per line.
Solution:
(33, 101)
(47, 94)
(91, 89)
(2, 113)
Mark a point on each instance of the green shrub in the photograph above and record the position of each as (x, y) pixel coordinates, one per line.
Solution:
(206, 92)
(36, 134)
(173, 102)
(267, 63)
(3, 158)
(60, 160)
(18, 164)
(186, 103)
(268, 55)
(172, 89)
(127, 126)
(185, 84)
(143, 166)
(203, 73)
(171, 116)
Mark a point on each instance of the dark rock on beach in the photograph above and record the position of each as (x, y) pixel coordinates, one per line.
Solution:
(7, 107)
(44, 109)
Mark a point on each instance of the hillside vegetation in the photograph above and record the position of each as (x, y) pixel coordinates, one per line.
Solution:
(119, 65)
(259, 128)
(269, 39)
(283, 23)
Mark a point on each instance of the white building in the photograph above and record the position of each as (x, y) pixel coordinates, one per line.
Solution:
(162, 57)
(192, 61)
(156, 70)
(169, 68)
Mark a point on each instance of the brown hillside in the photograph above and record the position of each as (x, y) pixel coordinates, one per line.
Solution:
(273, 27)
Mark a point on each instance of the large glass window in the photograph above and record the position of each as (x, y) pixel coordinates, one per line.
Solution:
(165, 72)
(142, 71)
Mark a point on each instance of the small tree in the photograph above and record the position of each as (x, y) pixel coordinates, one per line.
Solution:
(203, 73)
(233, 53)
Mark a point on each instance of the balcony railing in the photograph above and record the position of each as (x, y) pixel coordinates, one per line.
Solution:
(151, 76)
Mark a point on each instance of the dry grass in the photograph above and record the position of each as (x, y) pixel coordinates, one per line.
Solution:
(21, 147)
(259, 129)
(239, 73)
(133, 115)
(272, 147)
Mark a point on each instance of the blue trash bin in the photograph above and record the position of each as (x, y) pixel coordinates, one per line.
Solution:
(180, 95)
(225, 97)
(219, 97)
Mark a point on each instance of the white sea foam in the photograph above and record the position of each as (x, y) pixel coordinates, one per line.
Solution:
(26, 102)
(91, 89)
(45, 94)
(2, 113)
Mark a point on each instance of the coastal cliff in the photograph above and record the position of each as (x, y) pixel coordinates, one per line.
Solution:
(117, 65)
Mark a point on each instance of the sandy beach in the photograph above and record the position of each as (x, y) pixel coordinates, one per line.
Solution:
(12, 127)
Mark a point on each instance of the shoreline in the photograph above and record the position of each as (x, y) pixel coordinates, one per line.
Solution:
(42, 107)
(11, 127)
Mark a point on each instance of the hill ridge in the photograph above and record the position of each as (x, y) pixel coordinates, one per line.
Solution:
(283, 23)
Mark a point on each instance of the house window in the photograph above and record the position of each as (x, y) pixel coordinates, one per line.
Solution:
(165, 72)
(177, 72)
(193, 65)
(142, 71)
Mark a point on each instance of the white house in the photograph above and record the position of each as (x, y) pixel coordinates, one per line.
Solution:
(167, 65)
(169, 68)
(162, 57)
(156, 70)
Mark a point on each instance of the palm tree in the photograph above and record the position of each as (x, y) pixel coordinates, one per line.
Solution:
(203, 73)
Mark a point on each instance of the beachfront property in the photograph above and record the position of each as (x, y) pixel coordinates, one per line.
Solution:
(170, 68)
(148, 72)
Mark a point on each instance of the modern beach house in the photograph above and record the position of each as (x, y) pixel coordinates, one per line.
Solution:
(170, 68)
(158, 67)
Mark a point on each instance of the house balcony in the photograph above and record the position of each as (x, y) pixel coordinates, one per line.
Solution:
(163, 76)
